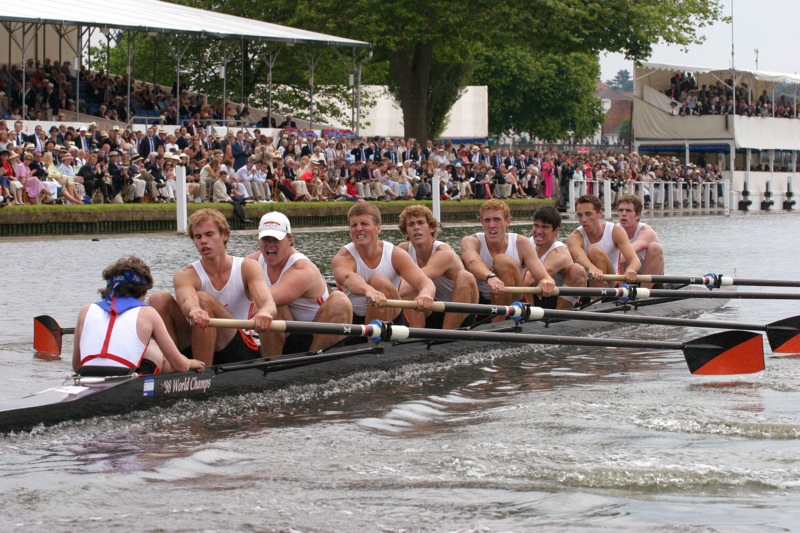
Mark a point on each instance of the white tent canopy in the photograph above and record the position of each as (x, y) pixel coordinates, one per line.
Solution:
(160, 17)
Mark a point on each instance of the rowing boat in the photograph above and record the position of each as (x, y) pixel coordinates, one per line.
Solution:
(86, 397)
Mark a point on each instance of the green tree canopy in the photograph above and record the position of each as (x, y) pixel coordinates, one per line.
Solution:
(621, 82)
(427, 50)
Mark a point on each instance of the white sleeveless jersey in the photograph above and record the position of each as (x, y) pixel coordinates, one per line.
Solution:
(606, 243)
(384, 268)
(233, 295)
(511, 251)
(125, 349)
(558, 277)
(641, 255)
(444, 286)
(304, 309)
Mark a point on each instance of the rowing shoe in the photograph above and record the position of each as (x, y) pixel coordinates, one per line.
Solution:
(712, 281)
(723, 353)
(783, 335)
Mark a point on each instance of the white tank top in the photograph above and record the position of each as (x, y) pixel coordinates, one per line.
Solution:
(232, 296)
(304, 309)
(444, 286)
(125, 349)
(606, 243)
(384, 268)
(641, 255)
(488, 260)
(558, 277)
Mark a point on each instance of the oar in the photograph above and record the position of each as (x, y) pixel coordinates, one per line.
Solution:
(47, 335)
(625, 293)
(712, 281)
(783, 335)
(726, 352)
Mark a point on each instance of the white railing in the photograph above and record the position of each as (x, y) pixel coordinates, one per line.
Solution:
(658, 197)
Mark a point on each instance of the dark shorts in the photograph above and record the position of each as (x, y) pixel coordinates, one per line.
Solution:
(548, 302)
(297, 343)
(241, 348)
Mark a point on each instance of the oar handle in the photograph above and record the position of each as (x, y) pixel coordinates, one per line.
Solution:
(233, 323)
(412, 304)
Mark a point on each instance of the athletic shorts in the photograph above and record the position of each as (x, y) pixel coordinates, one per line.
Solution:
(241, 348)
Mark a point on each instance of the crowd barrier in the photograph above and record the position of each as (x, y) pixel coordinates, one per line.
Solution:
(658, 197)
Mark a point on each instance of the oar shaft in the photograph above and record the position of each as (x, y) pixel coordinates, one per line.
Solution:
(614, 292)
(286, 326)
(708, 280)
(666, 293)
(512, 311)
(640, 319)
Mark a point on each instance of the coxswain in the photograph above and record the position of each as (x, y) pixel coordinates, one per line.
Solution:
(121, 334)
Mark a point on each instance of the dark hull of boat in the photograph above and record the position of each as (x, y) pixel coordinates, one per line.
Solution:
(90, 397)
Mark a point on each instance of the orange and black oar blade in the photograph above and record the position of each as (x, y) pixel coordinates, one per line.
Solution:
(727, 352)
(47, 335)
(784, 335)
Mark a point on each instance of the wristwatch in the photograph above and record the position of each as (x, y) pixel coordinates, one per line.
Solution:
(490, 275)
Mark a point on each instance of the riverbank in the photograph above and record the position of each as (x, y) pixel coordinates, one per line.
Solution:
(21, 221)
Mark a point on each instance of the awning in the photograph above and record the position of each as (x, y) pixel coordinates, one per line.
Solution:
(160, 17)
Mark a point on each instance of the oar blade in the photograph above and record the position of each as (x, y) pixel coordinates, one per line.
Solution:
(726, 352)
(46, 335)
(784, 335)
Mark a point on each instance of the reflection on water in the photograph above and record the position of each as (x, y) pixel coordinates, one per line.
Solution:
(529, 437)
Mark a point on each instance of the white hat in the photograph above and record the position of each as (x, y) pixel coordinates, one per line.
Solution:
(274, 224)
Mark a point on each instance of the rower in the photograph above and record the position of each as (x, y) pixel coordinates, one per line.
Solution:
(496, 258)
(555, 257)
(644, 238)
(121, 334)
(440, 263)
(298, 289)
(369, 270)
(596, 244)
(216, 286)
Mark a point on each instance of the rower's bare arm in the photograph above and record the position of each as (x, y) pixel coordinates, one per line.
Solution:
(186, 283)
(645, 237)
(414, 276)
(626, 249)
(576, 251)
(155, 324)
(443, 262)
(531, 262)
(259, 293)
(344, 272)
(470, 253)
(297, 282)
(76, 346)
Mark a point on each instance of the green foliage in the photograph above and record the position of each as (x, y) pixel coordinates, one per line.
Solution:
(621, 82)
(426, 50)
(625, 131)
(550, 96)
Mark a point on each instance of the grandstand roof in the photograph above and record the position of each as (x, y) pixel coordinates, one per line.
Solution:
(760, 75)
(161, 17)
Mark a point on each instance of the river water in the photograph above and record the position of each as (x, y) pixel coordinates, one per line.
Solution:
(548, 439)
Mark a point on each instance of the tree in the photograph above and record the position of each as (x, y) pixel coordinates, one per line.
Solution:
(549, 96)
(621, 82)
(429, 45)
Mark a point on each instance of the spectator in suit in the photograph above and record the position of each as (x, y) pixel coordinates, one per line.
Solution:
(241, 151)
(288, 123)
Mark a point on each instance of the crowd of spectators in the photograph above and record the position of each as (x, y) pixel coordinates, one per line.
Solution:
(51, 87)
(719, 99)
(65, 165)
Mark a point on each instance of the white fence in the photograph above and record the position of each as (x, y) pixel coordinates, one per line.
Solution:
(659, 197)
